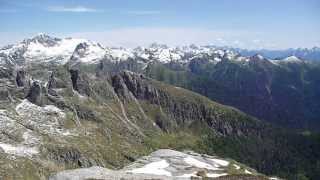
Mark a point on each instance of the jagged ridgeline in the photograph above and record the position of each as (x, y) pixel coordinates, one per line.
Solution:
(69, 109)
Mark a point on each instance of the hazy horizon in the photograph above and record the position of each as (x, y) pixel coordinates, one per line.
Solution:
(243, 24)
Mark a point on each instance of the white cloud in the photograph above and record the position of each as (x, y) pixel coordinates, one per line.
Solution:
(173, 36)
(257, 41)
(144, 36)
(75, 9)
(148, 35)
(143, 12)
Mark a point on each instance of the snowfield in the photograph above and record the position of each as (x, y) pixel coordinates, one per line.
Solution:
(156, 168)
(194, 162)
(63, 49)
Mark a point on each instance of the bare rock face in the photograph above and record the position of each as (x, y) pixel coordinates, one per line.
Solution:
(120, 87)
(80, 82)
(181, 111)
(21, 78)
(4, 94)
(35, 93)
(55, 82)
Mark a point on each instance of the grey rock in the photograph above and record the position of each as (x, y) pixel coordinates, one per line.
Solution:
(21, 78)
(101, 173)
(175, 164)
(35, 93)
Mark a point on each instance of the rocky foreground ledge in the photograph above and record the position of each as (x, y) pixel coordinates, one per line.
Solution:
(168, 164)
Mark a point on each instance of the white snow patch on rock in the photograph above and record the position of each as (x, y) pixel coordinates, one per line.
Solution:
(247, 172)
(292, 59)
(236, 166)
(156, 168)
(194, 162)
(274, 178)
(214, 175)
(194, 174)
(220, 162)
(19, 150)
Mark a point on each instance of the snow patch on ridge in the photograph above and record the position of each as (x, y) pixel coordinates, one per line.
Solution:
(156, 168)
(292, 59)
(220, 162)
(213, 175)
(236, 166)
(247, 172)
(194, 162)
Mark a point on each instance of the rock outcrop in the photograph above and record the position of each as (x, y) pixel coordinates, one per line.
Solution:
(167, 164)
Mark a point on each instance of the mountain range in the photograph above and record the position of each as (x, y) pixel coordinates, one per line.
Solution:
(73, 103)
(282, 91)
(311, 54)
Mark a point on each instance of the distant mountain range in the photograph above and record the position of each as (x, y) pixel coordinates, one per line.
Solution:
(44, 48)
(312, 54)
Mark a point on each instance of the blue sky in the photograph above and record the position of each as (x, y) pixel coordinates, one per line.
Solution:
(272, 24)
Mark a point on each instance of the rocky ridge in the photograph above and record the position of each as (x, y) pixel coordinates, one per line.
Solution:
(43, 48)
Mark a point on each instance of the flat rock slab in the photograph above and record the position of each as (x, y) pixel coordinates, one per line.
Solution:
(166, 164)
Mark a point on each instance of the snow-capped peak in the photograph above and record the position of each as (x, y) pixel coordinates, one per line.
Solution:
(292, 59)
(120, 54)
(44, 48)
(257, 57)
(43, 39)
(88, 52)
(289, 59)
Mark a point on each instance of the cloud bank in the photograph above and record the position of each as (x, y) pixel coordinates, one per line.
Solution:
(75, 9)
(144, 36)
(174, 36)
(143, 12)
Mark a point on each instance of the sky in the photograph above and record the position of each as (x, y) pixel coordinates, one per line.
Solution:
(252, 24)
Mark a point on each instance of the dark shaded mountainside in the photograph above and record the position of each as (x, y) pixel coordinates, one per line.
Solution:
(91, 106)
(284, 93)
